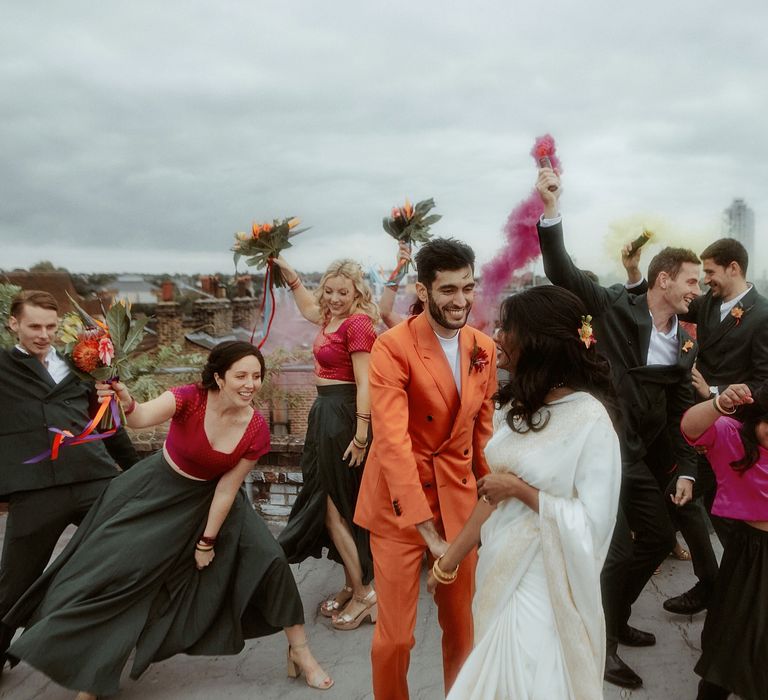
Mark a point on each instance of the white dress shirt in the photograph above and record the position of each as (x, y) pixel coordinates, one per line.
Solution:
(56, 365)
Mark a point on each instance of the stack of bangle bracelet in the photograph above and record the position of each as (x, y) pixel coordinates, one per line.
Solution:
(359, 444)
(720, 409)
(205, 544)
(442, 576)
(364, 417)
(295, 284)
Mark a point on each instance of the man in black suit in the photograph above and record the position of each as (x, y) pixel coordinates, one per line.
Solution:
(38, 391)
(732, 331)
(651, 358)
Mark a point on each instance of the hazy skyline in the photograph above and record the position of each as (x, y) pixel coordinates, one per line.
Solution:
(140, 136)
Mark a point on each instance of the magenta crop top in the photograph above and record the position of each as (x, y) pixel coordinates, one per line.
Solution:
(740, 495)
(188, 445)
(333, 351)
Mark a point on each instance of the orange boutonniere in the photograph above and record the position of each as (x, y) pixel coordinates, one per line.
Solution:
(478, 360)
(687, 345)
(737, 312)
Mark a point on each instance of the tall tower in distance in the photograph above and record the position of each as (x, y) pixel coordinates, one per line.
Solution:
(739, 223)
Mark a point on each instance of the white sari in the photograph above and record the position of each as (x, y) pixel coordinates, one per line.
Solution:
(539, 625)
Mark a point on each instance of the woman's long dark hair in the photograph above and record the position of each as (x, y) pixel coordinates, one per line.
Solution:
(751, 416)
(542, 326)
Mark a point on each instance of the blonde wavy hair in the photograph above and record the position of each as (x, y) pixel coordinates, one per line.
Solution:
(363, 302)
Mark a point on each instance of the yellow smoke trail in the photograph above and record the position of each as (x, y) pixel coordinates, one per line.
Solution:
(665, 233)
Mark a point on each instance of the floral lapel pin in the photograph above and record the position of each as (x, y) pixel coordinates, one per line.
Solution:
(687, 345)
(478, 359)
(737, 312)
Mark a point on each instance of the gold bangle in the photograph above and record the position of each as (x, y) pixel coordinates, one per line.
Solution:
(444, 576)
(359, 444)
(203, 549)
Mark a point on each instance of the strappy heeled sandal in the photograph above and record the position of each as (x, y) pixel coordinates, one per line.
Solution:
(294, 671)
(332, 606)
(345, 621)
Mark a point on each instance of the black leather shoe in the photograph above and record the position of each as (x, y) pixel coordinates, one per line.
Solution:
(618, 673)
(632, 637)
(688, 603)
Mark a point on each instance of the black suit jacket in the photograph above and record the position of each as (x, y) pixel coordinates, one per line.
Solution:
(30, 402)
(653, 398)
(733, 351)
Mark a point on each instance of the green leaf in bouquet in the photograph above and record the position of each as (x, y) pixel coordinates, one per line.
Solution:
(103, 373)
(431, 219)
(118, 324)
(134, 336)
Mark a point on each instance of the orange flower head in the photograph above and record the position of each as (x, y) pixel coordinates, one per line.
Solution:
(85, 354)
(255, 231)
(687, 345)
(408, 209)
(293, 223)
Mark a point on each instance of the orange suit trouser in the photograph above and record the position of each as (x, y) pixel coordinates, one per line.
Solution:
(397, 571)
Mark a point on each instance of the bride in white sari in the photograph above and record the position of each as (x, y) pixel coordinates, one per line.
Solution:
(546, 513)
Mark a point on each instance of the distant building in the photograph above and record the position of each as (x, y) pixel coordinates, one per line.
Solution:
(133, 288)
(739, 223)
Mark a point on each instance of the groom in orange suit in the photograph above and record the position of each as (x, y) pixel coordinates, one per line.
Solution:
(432, 378)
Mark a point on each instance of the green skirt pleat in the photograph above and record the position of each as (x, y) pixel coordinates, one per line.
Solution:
(127, 580)
(331, 426)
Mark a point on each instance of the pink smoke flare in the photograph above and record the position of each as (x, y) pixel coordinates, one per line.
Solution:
(522, 244)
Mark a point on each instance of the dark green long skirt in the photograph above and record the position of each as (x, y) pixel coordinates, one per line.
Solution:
(331, 425)
(127, 580)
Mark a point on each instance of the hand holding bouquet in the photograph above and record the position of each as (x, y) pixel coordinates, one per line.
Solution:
(267, 241)
(410, 224)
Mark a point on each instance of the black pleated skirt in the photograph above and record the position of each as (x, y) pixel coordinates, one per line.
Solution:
(127, 580)
(331, 425)
(734, 640)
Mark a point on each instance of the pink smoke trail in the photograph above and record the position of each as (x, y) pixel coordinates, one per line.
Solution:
(522, 244)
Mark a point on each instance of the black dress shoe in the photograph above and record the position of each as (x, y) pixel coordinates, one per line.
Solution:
(688, 603)
(632, 637)
(618, 673)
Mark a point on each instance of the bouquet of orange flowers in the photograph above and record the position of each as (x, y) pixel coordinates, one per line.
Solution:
(99, 349)
(410, 224)
(267, 241)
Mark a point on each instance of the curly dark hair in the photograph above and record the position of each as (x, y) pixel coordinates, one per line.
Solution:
(541, 325)
(752, 415)
(223, 356)
(439, 255)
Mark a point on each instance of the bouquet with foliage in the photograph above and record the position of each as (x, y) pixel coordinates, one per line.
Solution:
(99, 349)
(410, 224)
(266, 241)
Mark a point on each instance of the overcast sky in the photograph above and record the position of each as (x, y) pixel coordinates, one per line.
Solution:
(141, 135)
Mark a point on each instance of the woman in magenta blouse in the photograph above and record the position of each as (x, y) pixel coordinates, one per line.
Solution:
(735, 637)
(338, 431)
(172, 558)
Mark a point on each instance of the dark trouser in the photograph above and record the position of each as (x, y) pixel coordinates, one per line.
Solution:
(693, 522)
(35, 522)
(707, 486)
(630, 563)
(710, 691)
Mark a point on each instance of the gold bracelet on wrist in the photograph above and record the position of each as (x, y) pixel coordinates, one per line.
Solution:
(444, 577)
(207, 548)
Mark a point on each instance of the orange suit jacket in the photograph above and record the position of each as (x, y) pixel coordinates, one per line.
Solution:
(427, 449)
